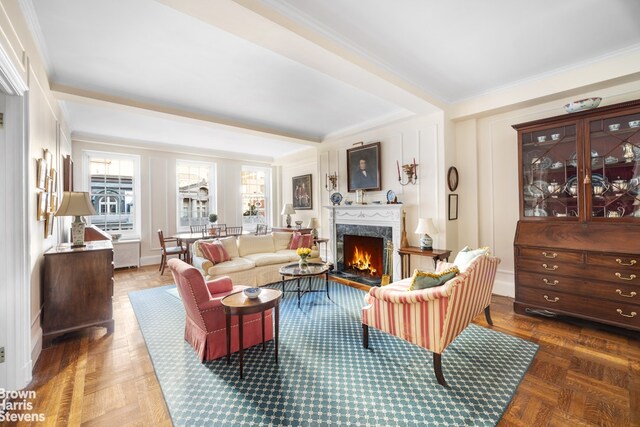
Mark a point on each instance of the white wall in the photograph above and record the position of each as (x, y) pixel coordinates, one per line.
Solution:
(301, 163)
(487, 161)
(158, 203)
(43, 128)
(421, 138)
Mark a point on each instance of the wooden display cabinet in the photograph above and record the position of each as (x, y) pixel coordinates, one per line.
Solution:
(577, 243)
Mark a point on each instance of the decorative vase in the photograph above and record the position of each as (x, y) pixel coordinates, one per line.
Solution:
(303, 263)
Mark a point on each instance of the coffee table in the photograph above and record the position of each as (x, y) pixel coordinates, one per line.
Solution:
(239, 304)
(313, 269)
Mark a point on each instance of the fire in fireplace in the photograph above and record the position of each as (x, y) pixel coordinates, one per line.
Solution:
(363, 255)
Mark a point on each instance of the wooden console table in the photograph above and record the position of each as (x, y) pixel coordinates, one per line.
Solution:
(292, 229)
(406, 252)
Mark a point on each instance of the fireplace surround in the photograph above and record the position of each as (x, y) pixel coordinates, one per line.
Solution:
(376, 221)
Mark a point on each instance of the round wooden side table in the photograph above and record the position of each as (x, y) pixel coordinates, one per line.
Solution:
(239, 304)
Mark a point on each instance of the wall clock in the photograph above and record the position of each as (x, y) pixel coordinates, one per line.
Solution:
(452, 178)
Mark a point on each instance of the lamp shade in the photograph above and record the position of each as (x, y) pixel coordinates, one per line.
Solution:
(75, 203)
(426, 226)
(314, 223)
(287, 209)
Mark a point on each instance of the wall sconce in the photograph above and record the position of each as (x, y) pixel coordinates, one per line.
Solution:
(331, 181)
(410, 170)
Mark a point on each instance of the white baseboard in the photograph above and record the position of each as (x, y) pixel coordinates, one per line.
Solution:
(150, 260)
(504, 284)
(36, 340)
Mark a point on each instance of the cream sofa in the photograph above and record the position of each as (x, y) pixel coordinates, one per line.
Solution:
(255, 260)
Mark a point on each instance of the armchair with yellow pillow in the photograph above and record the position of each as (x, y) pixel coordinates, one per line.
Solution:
(431, 309)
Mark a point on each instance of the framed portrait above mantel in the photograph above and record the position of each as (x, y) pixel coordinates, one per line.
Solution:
(302, 192)
(363, 168)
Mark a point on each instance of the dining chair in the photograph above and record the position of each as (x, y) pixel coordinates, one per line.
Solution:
(199, 228)
(179, 250)
(234, 231)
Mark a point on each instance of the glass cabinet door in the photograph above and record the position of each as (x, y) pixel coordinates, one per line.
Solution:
(615, 167)
(550, 169)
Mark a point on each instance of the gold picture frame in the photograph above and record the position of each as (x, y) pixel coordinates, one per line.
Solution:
(43, 205)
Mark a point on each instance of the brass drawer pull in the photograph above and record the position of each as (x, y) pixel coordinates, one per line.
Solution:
(546, 281)
(631, 295)
(549, 255)
(631, 276)
(556, 299)
(555, 267)
(633, 313)
(632, 262)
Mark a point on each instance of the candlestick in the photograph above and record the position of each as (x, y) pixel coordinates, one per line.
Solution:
(398, 165)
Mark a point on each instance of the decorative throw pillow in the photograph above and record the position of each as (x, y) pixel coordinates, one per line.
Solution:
(443, 265)
(214, 252)
(299, 240)
(466, 256)
(427, 279)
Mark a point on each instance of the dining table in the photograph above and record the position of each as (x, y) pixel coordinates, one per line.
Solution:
(188, 238)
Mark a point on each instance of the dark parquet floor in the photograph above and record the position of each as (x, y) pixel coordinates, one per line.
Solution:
(583, 374)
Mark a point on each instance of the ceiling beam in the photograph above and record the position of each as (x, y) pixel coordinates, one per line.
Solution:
(68, 93)
(257, 23)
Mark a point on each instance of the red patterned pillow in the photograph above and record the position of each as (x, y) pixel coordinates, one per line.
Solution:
(214, 252)
(299, 240)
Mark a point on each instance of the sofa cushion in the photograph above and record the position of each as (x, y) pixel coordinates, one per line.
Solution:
(214, 252)
(236, 264)
(267, 258)
(281, 240)
(229, 243)
(299, 240)
(231, 246)
(427, 279)
(249, 244)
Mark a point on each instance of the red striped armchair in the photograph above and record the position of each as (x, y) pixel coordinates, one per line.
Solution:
(432, 318)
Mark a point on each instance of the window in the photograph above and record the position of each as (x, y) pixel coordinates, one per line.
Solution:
(114, 186)
(255, 190)
(195, 200)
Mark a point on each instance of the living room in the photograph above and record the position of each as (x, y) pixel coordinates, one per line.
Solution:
(309, 88)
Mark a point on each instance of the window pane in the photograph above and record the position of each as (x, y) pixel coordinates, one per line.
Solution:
(112, 181)
(254, 197)
(194, 199)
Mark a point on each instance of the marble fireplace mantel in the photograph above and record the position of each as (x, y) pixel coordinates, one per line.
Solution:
(373, 214)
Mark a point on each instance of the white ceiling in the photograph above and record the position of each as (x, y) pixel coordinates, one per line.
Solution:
(267, 78)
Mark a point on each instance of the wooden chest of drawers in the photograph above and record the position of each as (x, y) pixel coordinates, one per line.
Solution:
(590, 284)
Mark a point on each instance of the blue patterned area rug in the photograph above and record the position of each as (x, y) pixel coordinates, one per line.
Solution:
(324, 376)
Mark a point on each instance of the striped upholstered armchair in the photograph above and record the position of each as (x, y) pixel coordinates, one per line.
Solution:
(432, 318)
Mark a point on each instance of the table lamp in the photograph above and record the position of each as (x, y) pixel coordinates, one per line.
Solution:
(288, 210)
(314, 224)
(76, 204)
(426, 227)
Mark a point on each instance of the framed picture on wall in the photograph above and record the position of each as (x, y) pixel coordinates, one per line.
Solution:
(41, 179)
(43, 205)
(453, 207)
(302, 192)
(363, 168)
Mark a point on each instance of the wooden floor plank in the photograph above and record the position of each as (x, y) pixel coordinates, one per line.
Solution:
(583, 374)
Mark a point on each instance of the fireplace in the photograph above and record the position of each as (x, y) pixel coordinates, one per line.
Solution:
(366, 224)
(363, 256)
